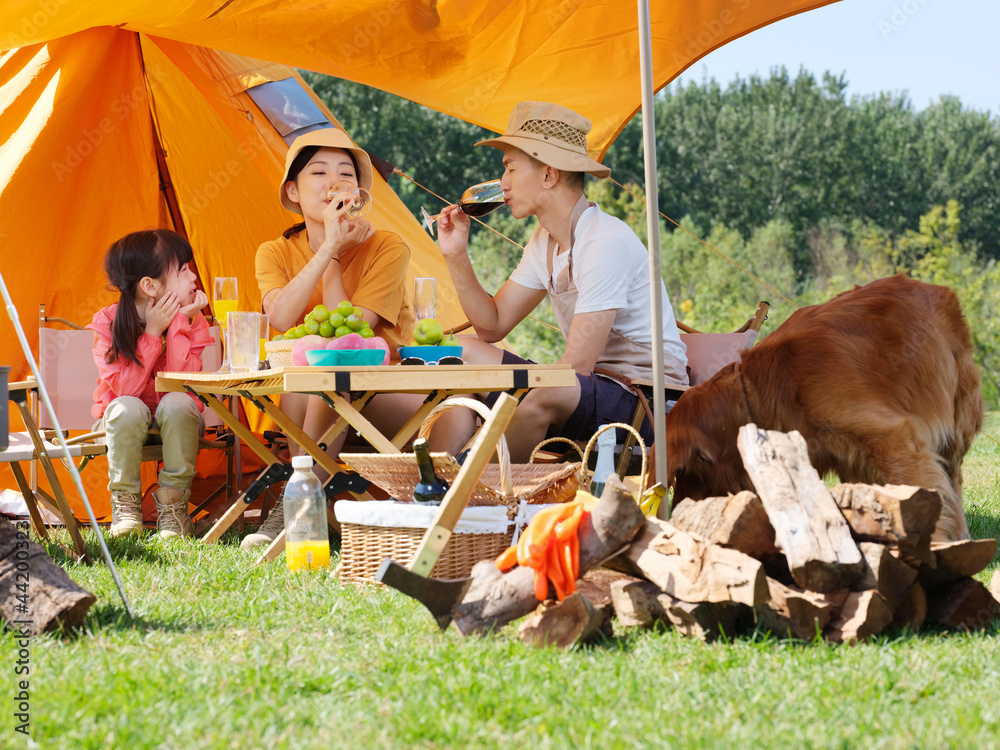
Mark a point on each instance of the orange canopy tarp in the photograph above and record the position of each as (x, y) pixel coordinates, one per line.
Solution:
(473, 59)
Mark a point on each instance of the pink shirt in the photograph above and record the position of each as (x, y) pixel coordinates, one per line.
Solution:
(185, 341)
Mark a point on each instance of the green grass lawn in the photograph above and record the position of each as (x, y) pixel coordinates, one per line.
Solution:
(229, 654)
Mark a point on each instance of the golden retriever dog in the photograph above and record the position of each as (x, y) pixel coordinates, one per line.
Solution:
(879, 381)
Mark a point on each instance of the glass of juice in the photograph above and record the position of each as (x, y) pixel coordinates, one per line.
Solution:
(225, 301)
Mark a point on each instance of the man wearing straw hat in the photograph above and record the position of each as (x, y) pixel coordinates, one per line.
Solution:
(592, 267)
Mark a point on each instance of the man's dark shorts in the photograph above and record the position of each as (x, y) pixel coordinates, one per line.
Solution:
(601, 401)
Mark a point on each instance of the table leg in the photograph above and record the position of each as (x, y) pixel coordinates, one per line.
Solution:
(341, 424)
(294, 432)
(409, 429)
(359, 422)
(235, 510)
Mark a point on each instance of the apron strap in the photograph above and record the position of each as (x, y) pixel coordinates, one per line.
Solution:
(565, 280)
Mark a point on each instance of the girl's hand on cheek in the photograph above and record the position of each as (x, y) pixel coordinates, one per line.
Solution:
(200, 300)
(160, 312)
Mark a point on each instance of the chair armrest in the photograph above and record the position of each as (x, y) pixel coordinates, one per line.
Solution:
(755, 321)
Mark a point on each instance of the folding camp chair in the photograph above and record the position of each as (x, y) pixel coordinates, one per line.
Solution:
(707, 353)
(66, 364)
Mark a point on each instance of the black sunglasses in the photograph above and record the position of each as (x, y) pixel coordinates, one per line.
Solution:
(443, 361)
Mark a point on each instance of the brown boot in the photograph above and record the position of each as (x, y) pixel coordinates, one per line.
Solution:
(171, 503)
(126, 513)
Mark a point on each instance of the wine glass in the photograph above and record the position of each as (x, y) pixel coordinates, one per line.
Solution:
(425, 297)
(478, 200)
(226, 300)
(358, 199)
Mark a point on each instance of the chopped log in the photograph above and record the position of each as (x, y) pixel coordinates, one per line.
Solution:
(706, 621)
(808, 526)
(493, 598)
(737, 521)
(895, 514)
(572, 621)
(885, 573)
(692, 569)
(596, 585)
(995, 585)
(963, 605)
(36, 595)
(864, 613)
(636, 603)
(802, 614)
(912, 611)
(957, 560)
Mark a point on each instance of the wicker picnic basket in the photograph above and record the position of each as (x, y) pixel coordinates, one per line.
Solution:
(375, 529)
(367, 541)
(500, 484)
(279, 353)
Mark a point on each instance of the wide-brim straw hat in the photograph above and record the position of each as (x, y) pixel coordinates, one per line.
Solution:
(554, 135)
(325, 138)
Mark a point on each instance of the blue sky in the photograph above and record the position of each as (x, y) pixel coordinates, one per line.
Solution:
(926, 47)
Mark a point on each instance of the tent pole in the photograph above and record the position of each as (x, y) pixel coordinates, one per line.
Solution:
(44, 395)
(653, 232)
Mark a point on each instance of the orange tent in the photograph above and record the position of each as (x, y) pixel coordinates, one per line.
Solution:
(108, 131)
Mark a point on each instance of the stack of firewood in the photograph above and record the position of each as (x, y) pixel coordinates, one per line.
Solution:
(796, 558)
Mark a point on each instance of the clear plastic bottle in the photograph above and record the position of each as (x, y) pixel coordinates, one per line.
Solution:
(605, 461)
(307, 541)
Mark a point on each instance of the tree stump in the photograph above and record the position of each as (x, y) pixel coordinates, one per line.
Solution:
(36, 595)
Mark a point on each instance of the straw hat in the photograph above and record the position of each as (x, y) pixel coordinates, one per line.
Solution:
(325, 138)
(554, 135)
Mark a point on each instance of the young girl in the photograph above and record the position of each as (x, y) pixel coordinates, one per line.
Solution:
(155, 325)
(328, 258)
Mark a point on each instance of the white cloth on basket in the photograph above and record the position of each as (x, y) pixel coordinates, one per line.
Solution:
(481, 519)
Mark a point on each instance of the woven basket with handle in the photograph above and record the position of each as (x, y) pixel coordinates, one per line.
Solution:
(500, 484)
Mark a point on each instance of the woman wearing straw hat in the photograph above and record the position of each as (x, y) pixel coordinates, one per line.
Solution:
(592, 267)
(327, 258)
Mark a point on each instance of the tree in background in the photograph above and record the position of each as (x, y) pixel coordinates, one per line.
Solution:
(804, 189)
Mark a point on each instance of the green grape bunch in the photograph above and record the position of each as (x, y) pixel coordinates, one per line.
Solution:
(345, 318)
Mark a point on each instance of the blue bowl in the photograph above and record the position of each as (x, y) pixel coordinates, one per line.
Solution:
(345, 357)
(430, 354)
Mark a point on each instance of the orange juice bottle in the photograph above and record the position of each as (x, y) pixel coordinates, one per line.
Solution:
(307, 542)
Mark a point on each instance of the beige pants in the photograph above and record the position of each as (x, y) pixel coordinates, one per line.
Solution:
(127, 422)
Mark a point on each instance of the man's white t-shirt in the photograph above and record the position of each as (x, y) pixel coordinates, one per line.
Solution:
(611, 272)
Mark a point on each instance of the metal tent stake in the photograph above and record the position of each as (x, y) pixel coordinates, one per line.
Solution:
(43, 392)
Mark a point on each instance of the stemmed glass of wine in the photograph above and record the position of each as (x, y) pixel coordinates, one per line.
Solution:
(478, 200)
(225, 301)
(358, 200)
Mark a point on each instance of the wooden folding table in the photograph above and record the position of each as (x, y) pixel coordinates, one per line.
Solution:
(347, 390)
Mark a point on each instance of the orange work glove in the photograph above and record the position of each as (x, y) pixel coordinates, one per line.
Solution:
(551, 546)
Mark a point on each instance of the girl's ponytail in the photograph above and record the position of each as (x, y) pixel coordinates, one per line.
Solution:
(152, 253)
(126, 330)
